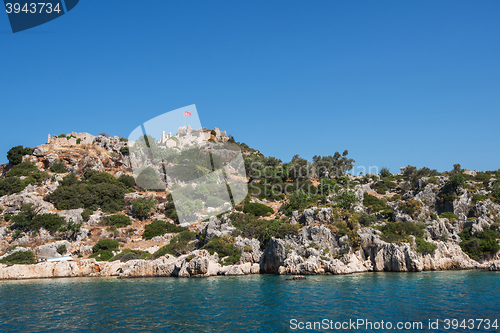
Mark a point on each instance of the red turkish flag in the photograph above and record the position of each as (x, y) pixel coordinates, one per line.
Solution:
(187, 114)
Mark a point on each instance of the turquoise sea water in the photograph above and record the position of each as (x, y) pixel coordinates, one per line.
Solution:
(261, 303)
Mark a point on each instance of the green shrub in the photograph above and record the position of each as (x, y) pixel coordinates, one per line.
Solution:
(128, 254)
(58, 167)
(384, 185)
(171, 212)
(478, 197)
(86, 214)
(27, 220)
(17, 234)
(384, 172)
(117, 220)
(251, 227)
(148, 179)
(142, 207)
(103, 255)
(258, 209)
(346, 199)
(127, 180)
(61, 249)
(125, 151)
(15, 154)
(224, 248)
(424, 246)
(375, 204)
(397, 232)
(97, 189)
(19, 258)
(479, 244)
(159, 228)
(11, 185)
(366, 220)
(410, 207)
(178, 245)
(22, 169)
(50, 222)
(298, 201)
(214, 201)
(105, 244)
(449, 215)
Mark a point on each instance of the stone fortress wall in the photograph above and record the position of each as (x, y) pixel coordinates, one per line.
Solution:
(187, 135)
(71, 139)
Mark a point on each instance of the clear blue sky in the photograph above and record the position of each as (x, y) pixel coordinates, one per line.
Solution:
(394, 82)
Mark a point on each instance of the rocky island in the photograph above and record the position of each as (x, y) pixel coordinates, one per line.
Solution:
(77, 199)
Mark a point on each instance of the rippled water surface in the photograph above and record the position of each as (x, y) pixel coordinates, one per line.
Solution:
(261, 303)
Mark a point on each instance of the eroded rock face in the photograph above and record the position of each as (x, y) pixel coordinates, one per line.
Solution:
(290, 256)
(244, 244)
(217, 227)
(312, 216)
(274, 256)
(461, 206)
(50, 250)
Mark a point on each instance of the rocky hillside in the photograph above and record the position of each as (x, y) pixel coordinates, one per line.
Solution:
(300, 217)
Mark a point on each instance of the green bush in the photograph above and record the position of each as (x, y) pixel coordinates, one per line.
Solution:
(127, 180)
(61, 249)
(27, 220)
(449, 215)
(125, 151)
(148, 179)
(19, 258)
(384, 172)
(117, 220)
(346, 199)
(298, 201)
(479, 244)
(224, 248)
(50, 222)
(410, 207)
(258, 209)
(159, 228)
(58, 167)
(142, 207)
(214, 201)
(366, 220)
(170, 211)
(15, 154)
(105, 244)
(11, 185)
(86, 214)
(424, 246)
(397, 232)
(22, 169)
(178, 245)
(104, 255)
(97, 189)
(478, 197)
(384, 185)
(252, 227)
(128, 254)
(375, 204)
